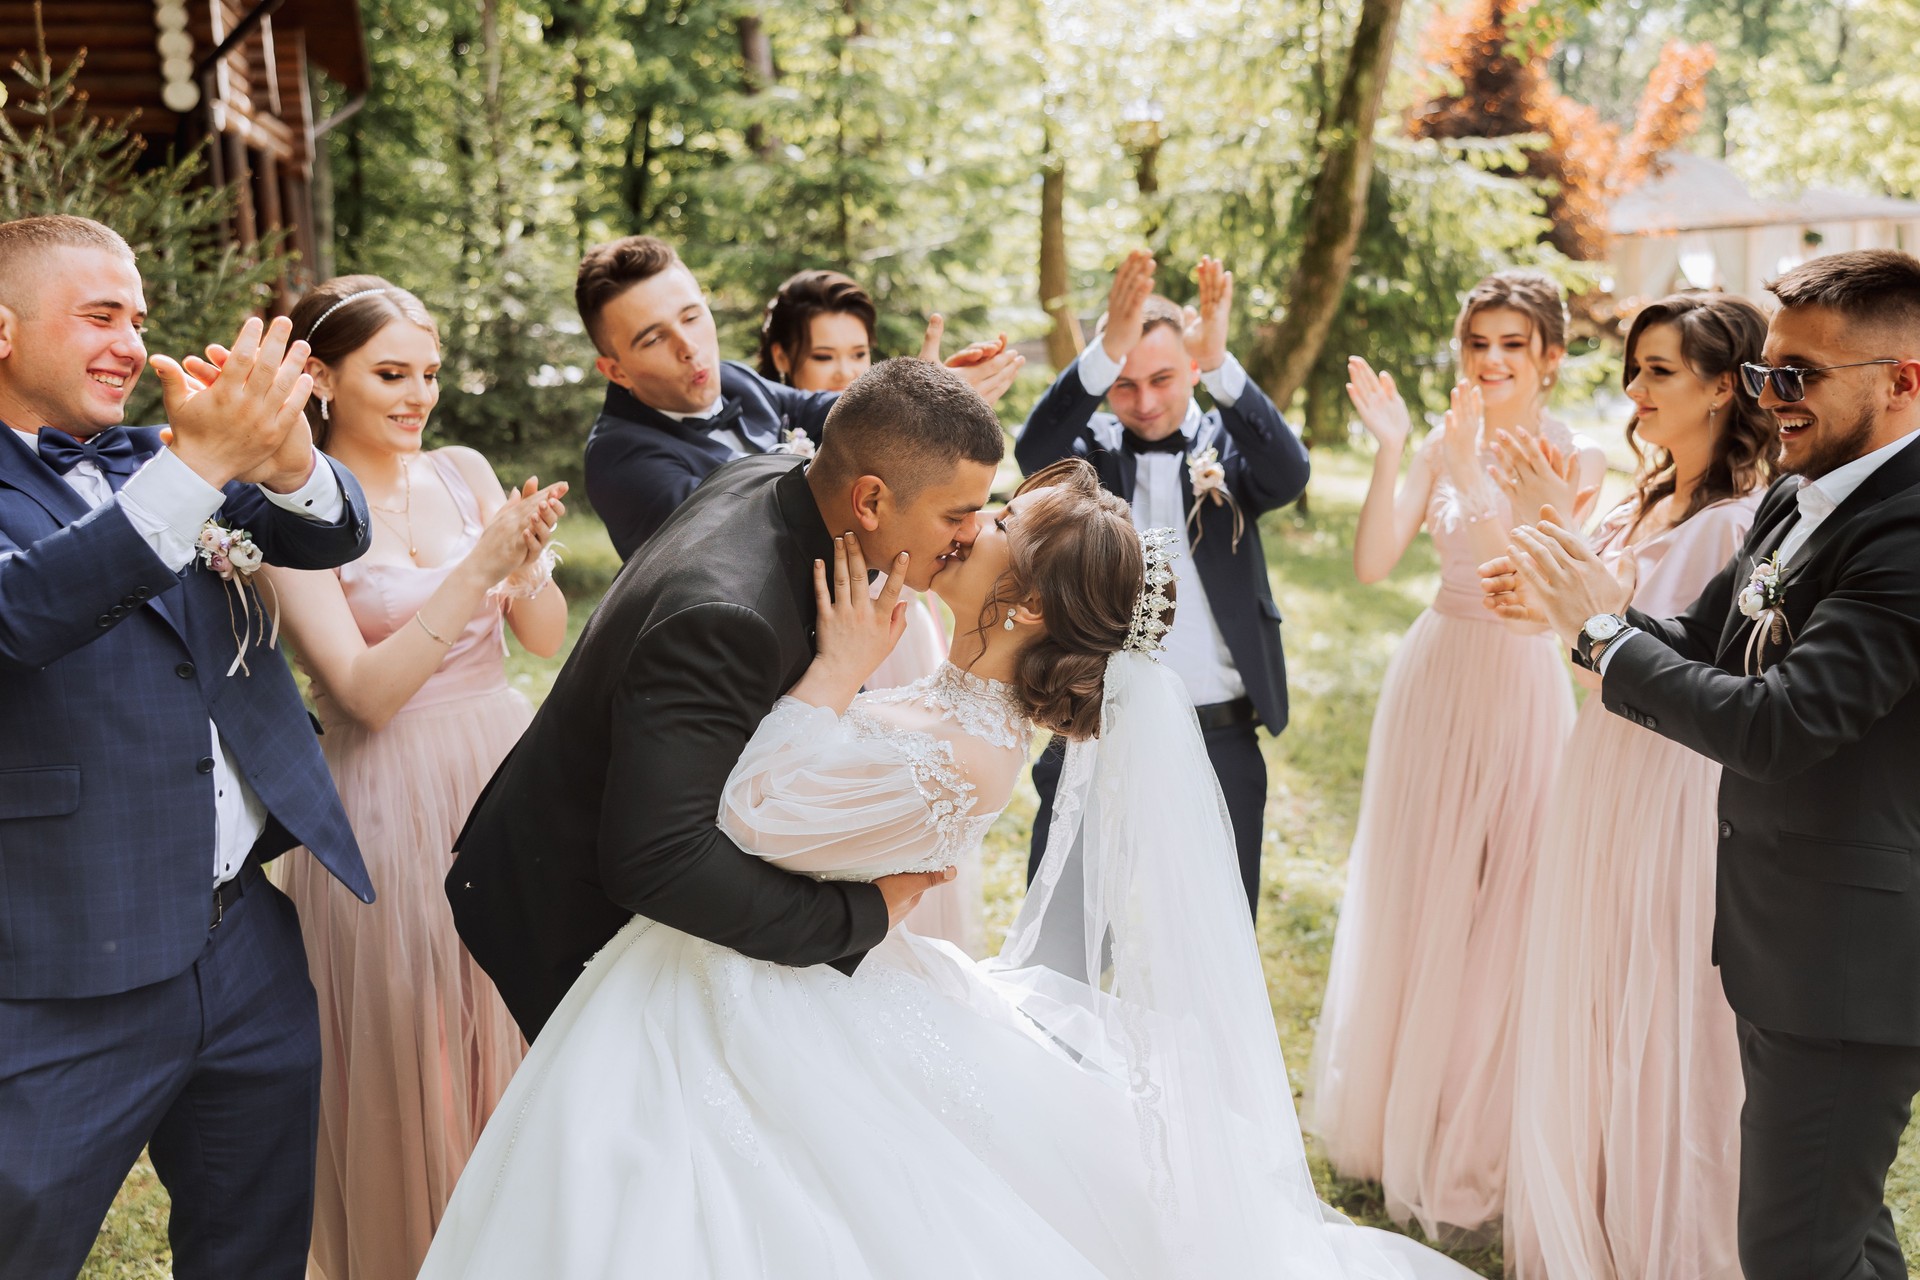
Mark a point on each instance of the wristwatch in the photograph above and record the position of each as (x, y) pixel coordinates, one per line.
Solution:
(1599, 629)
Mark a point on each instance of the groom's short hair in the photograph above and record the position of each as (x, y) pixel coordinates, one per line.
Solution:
(909, 422)
(1873, 288)
(24, 243)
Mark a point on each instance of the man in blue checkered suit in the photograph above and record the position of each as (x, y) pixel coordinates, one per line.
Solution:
(153, 754)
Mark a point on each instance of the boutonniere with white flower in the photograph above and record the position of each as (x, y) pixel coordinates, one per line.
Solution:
(1763, 600)
(1209, 477)
(797, 443)
(230, 553)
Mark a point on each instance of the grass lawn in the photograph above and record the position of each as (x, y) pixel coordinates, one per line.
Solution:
(1340, 636)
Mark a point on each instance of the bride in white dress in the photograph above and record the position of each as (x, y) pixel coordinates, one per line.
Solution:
(689, 1112)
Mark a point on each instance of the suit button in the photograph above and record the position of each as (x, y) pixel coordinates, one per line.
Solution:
(1726, 831)
(184, 671)
(1652, 723)
(141, 593)
(118, 611)
(104, 621)
(205, 765)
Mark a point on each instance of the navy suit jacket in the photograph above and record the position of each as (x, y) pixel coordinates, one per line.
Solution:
(1266, 466)
(111, 666)
(641, 464)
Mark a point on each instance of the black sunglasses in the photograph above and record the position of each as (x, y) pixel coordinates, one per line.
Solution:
(1789, 383)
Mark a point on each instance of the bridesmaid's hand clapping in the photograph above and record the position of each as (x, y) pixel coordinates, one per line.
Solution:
(518, 531)
(1377, 400)
(1535, 474)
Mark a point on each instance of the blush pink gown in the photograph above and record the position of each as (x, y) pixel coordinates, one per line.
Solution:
(1625, 1161)
(416, 1045)
(1411, 1083)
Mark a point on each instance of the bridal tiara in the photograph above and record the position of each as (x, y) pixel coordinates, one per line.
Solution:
(352, 297)
(1160, 546)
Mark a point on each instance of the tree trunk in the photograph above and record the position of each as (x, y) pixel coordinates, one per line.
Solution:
(757, 74)
(1064, 339)
(1337, 207)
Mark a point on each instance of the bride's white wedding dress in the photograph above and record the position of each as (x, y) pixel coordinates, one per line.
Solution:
(689, 1112)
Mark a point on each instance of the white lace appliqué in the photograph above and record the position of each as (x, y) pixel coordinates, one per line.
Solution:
(983, 709)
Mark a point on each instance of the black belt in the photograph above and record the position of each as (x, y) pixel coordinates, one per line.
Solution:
(1222, 715)
(231, 891)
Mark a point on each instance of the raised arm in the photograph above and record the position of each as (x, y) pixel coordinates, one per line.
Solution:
(1269, 465)
(1393, 512)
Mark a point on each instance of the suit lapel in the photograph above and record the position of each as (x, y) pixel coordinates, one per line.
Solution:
(1129, 472)
(21, 469)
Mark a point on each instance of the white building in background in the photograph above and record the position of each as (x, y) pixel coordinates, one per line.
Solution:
(1697, 225)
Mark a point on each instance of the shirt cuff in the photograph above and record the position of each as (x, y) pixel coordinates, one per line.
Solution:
(167, 503)
(1613, 647)
(1225, 383)
(319, 499)
(1097, 369)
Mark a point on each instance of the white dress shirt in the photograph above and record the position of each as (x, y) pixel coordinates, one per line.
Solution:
(729, 438)
(167, 503)
(1195, 649)
(1816, 500)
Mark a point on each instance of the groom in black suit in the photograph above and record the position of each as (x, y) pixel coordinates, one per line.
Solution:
(607, 807)
(675, 411)
(1804, 682)
(1211, 474)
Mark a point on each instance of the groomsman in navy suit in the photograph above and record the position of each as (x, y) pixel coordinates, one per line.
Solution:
(153, 986)
(675, 410)
(1209, 474)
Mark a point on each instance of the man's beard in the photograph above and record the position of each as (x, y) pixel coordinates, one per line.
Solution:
(1825, 456)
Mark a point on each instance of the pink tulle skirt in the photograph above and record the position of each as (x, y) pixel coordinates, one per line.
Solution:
(1626, 1122)
(1412, 1076)
(416, 1045)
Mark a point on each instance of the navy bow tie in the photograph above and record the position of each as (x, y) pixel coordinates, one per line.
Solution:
(112, 450)
(1175, 443)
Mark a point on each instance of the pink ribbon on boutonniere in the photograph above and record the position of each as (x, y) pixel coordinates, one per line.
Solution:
(1209, 478)
(1763, 600)
(231, 554)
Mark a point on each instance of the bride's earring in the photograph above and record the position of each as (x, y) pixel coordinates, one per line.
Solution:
(1009, 622)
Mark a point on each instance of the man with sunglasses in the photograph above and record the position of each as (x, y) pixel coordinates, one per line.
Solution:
(1798, 669)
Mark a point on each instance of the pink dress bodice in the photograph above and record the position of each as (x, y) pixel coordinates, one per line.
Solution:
(384, 597)
(1460, 594)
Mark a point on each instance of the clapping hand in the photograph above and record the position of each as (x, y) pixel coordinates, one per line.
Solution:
(1549, 575)
(1535, 474)
(1206, 328)
(1377, 400)
(518, 531)
(989, 367)
(1119, 328)
(238, 415)
(1460, 444)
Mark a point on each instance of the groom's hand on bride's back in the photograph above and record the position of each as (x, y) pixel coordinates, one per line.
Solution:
(903, 891)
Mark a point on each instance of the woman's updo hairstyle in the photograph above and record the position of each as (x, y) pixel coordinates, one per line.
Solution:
(335, 323)
(788, 322)
(1077, 559)
(1534, 294)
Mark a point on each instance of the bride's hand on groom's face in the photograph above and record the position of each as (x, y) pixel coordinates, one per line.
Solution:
(855, 629)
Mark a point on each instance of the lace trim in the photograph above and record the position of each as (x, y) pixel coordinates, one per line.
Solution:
(984, 709)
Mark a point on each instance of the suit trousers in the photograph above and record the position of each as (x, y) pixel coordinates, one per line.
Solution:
(1234, 750)
(216, 1071)
(1819, 1130)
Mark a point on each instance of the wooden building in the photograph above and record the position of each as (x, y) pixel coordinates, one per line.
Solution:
(237, 71)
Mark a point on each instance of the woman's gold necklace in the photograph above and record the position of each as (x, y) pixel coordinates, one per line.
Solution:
(406, 510)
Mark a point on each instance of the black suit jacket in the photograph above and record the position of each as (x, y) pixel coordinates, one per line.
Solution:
(1818, 925)
(608, 806)
(1267, 467)
(641, 464)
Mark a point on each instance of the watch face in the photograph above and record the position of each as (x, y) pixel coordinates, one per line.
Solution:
(1603, 627)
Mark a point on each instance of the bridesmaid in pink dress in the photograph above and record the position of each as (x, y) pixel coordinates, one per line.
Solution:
(1412, 1074)
(405, 648)
(1625, 1162)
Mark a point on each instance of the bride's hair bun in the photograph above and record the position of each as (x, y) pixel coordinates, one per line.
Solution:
(1078, 561)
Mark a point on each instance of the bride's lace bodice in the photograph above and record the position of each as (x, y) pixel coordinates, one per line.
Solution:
(907, 780)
